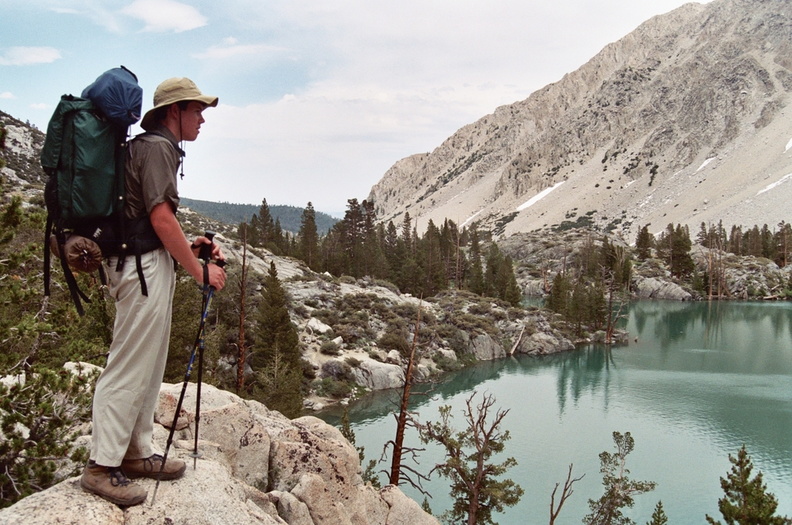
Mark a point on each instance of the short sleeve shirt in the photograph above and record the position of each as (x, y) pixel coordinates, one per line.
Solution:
(151, 173)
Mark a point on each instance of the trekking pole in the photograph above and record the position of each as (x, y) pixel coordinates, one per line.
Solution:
(205, 254)
(195, 454)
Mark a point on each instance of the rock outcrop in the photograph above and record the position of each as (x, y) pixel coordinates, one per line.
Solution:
(653, 288)
(256, 467)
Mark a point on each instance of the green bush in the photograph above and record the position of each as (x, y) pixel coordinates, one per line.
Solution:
(331, 387)
(330, 348)
(394, 341)
(40, 417)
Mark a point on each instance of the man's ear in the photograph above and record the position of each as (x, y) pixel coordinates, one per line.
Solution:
(174, 112)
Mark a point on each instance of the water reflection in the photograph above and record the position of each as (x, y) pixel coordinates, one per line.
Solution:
(582, 372)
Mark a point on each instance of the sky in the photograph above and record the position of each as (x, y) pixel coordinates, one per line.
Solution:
(318, 98)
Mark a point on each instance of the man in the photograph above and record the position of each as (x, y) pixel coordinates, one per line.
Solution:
(127, 391)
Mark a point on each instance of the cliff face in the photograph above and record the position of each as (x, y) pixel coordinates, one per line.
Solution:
(684, 120)
(256, 467)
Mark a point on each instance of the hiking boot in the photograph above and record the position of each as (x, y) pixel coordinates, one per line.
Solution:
(150, 467)
(111, 484)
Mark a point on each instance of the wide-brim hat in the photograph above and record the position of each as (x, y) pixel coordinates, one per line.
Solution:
(174, 90)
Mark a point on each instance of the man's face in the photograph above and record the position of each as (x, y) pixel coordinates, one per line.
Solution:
(191, 120)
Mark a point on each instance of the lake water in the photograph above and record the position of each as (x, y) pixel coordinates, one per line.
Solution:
(696, 382)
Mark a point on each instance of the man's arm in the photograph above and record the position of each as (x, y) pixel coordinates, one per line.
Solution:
(175, 242)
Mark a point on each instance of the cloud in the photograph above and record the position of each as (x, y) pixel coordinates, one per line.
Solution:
(165, 16)
(26, 56)
(94, 11)
(7, 95)
(231, 48)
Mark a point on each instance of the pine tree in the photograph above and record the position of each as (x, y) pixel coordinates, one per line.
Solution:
(643, 244)
(509, 290)
(265, 225)
(276, 360)
(559, 294)
(619, 489)
(735, 240)
(674, 249)
(769, 247)
(309, 237)
(393, 253)
(475, 277)
(658, 516)
(746, 500)
(493, 267)
(475, 486)
(184, 324)
(434, 267)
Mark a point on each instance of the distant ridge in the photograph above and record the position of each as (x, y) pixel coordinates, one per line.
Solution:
(229, 213)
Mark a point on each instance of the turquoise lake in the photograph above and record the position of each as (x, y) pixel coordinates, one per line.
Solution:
(695, 383)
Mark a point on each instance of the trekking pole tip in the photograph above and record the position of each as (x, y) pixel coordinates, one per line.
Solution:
(154, 495)
(195, 455)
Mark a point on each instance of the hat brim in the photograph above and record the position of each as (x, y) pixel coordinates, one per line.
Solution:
(148, 123)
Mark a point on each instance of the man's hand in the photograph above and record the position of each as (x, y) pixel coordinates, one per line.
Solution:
(168, 229)
(217, 276)
(217, 252)
(216, 273)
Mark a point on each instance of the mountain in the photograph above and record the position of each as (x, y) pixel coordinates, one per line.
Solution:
(685, 120)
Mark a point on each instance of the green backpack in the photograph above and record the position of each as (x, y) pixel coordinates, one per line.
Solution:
(84, 155)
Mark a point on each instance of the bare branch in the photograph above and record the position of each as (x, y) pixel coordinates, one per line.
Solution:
(566, 492)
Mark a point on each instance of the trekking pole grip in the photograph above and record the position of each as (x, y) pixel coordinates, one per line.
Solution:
(205, 251)
(205, 254)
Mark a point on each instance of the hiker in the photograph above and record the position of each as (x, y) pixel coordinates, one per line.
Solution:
(127, 391)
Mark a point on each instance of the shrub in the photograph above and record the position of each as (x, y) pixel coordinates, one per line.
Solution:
(337, 370)
(330, 387)
(330, 348)
(394, 341)
(40, 417)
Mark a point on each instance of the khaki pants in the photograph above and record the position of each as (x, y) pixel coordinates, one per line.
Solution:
(128, 389)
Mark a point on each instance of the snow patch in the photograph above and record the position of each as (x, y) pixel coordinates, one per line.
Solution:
(775, 184)
(470, 218)
(539, 196)
(705, 163)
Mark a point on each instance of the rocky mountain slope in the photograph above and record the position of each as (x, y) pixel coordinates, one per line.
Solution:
(685, 120)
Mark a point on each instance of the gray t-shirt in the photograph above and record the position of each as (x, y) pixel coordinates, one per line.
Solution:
(151, 173)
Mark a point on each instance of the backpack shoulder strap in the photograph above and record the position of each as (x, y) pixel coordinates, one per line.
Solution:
(159, 136)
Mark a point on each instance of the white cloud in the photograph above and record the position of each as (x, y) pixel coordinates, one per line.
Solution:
(25, 56)
(165, 16)
(7, 95)
(231, 48)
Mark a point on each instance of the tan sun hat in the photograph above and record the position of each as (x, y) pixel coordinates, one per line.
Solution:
(171, 91)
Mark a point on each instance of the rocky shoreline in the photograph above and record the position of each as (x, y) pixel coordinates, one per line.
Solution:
(462, 328)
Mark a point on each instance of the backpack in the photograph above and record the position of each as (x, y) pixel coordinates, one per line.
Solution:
(84, 155)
